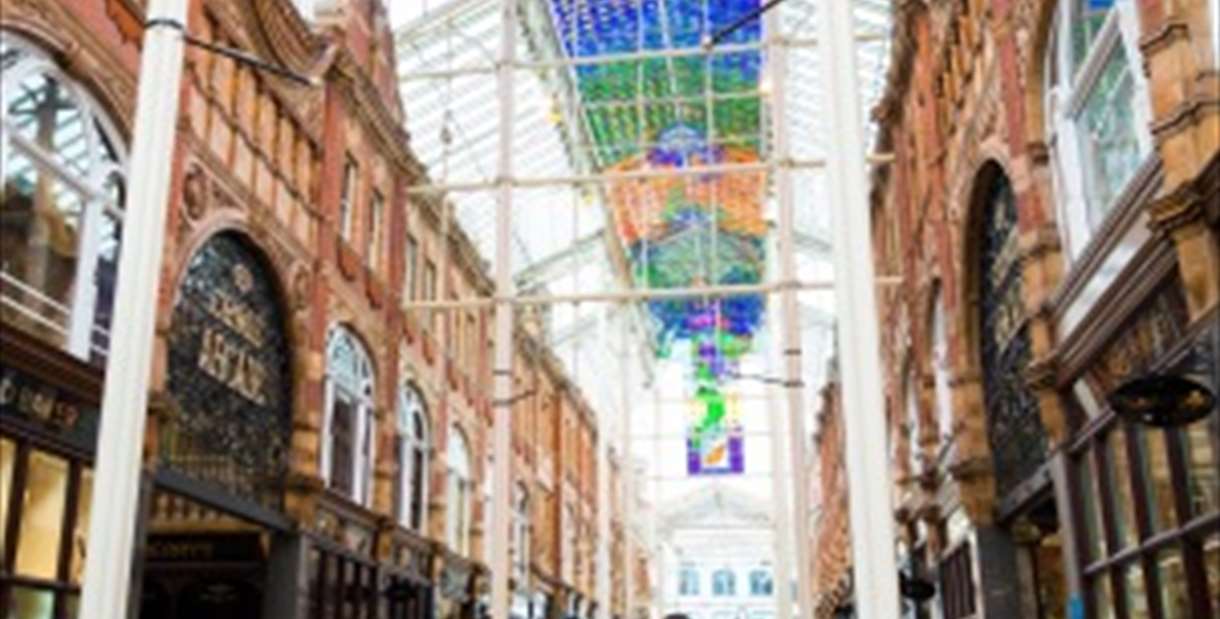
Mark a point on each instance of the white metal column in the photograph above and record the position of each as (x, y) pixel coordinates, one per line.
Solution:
(790, 331)
(503, 353)
(125, 393)
(868, 476)
(628, 471)
(603, 493)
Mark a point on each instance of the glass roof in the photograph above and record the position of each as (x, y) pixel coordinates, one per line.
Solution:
(613, 99)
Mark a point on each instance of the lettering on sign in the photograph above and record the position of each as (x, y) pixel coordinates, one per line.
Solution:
(23, 396)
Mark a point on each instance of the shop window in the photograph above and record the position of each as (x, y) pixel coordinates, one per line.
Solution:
(1158, 479)
(724, 583)
(761, 583)
(1090, 507)
(1136, 591)
(347, 445)
(688, 582)
(1096, 110)
(1202, 480)
(1103, 604)
(60, 204)
(413, 449)
(459, 485)
(42, 572)
(1119, 467)
(1171, 574)
(1211, 559)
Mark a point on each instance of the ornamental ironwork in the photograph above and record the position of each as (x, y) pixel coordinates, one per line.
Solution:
(1018, 440)
(229, 374)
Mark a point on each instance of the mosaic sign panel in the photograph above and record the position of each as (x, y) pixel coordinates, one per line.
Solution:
(229, 374)
(714, 435)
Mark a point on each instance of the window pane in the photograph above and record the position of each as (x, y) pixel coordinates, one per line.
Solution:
(42, 516)
(29, 603)
(1159, 479)
(1120, 478)
(1201, 479)
(1175, 599)
(1137, 593)
(1087, 20)
(1102, 600)
(8, 454)
(1211, 562)
(1091, 514)
(1107, 129)
(43, 111)
(342, 432)
(38, 247)
(80, 535)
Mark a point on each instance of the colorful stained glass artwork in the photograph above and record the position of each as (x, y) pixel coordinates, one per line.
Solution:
(714, 435)
(689, 110)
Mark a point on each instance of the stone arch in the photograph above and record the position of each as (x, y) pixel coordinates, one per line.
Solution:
(1038, 33)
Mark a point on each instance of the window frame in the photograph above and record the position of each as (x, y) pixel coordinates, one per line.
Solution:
(459, 484)
(413, 440)
(688, 575)
(348, 196)
(521, 534)
(361, 398)
(376, 218)
(1064, 101)
(724, 583)
(91, 189)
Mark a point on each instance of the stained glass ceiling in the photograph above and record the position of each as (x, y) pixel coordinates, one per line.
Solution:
(599, 84)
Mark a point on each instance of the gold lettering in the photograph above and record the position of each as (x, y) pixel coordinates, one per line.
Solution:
(233, 367)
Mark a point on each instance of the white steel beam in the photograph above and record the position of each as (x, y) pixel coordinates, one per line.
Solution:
(108, 555)
(868, 476)
(638, 294)
(790, 333)
(503, 346)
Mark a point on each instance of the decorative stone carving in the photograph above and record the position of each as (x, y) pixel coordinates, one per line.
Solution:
(195, 193)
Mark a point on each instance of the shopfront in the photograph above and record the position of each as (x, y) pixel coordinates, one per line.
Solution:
(1148, 507)
(48, 424)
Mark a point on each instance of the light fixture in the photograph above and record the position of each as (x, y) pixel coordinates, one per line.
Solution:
(1163, 400)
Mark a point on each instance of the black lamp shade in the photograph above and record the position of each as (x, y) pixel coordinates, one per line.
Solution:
(1163, 400)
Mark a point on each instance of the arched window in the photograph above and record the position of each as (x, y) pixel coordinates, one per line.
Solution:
(61, 204)
(688, 581)
(941, 369)
(1096, 110)
(761, 583)
(459, 484)
(724, 583)
(412, 458)
(521, 534)
(347, 446)
(1018, 441)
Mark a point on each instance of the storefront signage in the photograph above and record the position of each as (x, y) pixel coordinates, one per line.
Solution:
(202, 548)
(229, 374)
(27, 398)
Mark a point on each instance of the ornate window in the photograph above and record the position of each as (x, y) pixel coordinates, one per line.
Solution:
(1018, 441)
(761, 583)
(1097, 110)
(688, 581)
(61, 204)
(347, 446)
(724, 583)
(521, 534)
(413, 450)
(458, 488)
